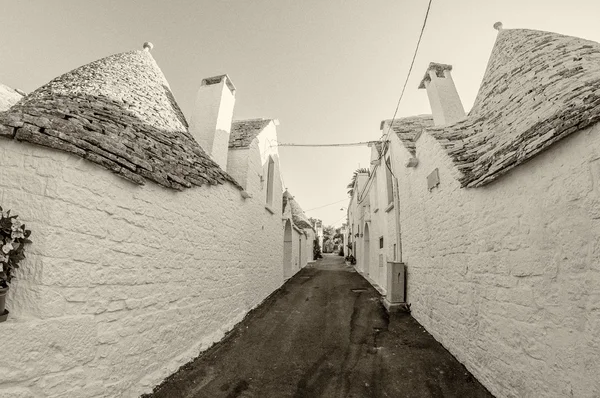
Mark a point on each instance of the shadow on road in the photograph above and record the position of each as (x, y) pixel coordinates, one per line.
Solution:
(324, 334)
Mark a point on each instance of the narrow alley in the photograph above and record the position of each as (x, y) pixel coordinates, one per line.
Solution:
(324, 334)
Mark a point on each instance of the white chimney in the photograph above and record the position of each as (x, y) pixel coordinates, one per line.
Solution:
(210, 123)
(443, 97)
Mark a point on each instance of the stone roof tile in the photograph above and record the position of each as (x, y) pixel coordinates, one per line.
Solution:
(409, 128)
(538, 88)
(298, 216)
(120, 113)
(243, 132)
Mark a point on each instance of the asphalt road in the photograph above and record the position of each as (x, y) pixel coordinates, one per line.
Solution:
(324, 334)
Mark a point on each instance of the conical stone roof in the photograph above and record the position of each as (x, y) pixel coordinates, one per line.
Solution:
(118, 112)
(298, 216)
(538, 88)
(243, 132)
(408, 129)
(8, 97)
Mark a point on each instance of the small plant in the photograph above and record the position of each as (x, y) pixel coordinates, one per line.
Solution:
(13, 236)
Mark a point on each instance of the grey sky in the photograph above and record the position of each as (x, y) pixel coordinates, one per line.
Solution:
(329, 70)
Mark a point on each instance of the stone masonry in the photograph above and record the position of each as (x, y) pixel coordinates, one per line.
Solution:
(504, 272)
(538, 88)
(123, 282)
(118, 112)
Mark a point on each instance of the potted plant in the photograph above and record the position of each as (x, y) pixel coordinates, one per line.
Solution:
(13, 236)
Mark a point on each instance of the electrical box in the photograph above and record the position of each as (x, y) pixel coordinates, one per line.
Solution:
(396, 283)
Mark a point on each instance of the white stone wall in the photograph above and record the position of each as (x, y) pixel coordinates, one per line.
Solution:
(210, 123)
(381, 223)
(295, 251)
(445, 103)
(507, 276)
(386, 220)
(123, 283)
(237, 165)
(250, 166)
(302, 259)
(310, 239)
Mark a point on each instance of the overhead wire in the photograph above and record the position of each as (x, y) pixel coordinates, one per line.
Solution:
(385, 141)
(338, 220)
(327, 145)
(320, 207)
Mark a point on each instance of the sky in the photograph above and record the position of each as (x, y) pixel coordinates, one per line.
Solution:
(328, 70)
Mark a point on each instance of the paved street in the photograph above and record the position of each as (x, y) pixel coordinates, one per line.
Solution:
(324, 334)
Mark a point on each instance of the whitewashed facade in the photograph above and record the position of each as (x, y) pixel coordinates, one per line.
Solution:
(299, 237)
(498, 219)
(145, 251)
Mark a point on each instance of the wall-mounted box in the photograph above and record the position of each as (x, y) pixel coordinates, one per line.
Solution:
(433, 179)
(395, 297)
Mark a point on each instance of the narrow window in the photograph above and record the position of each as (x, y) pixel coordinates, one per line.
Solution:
(381, 242)
(390, 185)
(270, 177)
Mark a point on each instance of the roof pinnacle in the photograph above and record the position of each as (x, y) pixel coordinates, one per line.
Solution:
(148, 46)
(498, 26)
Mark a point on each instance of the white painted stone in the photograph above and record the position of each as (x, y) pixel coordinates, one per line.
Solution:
(523, 250)
(210, 123)
(505, 276)
(446, 106)
(123, 283)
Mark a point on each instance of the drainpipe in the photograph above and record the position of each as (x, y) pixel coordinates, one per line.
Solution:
(396, 209)
(398, 226)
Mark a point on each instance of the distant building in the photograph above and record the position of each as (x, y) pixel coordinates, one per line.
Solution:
(298, 236)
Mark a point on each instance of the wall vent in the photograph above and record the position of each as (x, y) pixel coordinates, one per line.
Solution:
(433, 179)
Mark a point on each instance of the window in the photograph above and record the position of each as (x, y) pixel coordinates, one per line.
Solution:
(270, 178)
(390, 184)
(381, 242)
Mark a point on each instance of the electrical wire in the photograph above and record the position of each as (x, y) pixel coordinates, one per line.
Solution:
(328, 145)
(385, 140)
(338, 220)
(320, 207)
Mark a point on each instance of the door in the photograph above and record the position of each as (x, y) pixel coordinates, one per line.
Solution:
(287, 250)
(366, 250)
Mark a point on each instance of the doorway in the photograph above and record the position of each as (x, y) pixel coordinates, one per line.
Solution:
(366, 250)
(287, 250)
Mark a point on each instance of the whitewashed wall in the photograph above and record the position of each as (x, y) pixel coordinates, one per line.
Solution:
(507, 276)
(295, 266)
(123, 284)
(382, 223)
(310, 239)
